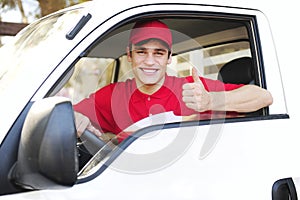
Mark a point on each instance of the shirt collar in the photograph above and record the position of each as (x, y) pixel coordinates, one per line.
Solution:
(163, 92)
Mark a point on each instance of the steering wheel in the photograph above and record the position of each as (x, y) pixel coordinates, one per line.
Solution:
(93, 144)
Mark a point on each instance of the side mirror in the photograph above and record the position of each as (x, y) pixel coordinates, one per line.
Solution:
(47, 155)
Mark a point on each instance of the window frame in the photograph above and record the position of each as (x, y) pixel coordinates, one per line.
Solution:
(255, 48)
(248, 20)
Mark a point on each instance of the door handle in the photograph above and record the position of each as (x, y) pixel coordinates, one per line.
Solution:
(284, 189)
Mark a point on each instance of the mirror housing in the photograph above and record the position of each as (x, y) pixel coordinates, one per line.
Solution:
(47, 155)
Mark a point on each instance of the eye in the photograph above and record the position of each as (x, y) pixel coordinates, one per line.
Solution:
(160, 53)
(141, 52)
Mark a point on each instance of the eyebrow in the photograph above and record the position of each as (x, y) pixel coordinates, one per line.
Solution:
(144, 48)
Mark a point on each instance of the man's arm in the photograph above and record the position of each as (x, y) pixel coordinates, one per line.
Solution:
(247, 98)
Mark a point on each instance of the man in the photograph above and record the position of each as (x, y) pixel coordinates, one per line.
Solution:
(116, 106)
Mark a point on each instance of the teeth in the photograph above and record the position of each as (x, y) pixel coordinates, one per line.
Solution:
(149, 70)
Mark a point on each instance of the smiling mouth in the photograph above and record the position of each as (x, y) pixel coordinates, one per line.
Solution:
(149, 71)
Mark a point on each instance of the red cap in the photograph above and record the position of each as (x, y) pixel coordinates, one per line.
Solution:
(151, 29)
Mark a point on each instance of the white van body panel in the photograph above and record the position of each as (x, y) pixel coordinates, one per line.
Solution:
(241, 159)
(246, 159)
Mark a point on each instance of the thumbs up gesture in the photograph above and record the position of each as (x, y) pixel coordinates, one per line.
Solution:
(195, 96)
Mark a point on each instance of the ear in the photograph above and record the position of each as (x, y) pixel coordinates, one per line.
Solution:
(129, 58)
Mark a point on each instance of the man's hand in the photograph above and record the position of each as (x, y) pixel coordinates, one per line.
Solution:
(82, 122)
(195, 96)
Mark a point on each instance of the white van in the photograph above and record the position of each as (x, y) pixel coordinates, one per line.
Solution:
(62, 58)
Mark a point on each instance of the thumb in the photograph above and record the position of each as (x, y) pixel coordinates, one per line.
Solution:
(195, 75)
(196, 78)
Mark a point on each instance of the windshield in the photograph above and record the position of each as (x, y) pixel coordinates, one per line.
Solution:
(36, 48)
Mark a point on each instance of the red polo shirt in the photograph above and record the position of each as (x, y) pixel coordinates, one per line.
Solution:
(116, 106)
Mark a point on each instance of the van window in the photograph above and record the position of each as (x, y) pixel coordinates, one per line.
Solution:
(216, 43)
(220, 48)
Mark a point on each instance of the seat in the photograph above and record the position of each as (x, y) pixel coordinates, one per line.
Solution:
(237, 71)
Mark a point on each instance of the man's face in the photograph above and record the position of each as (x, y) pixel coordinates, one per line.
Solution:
(149, 63)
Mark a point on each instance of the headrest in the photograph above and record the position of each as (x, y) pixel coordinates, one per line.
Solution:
(237, 71)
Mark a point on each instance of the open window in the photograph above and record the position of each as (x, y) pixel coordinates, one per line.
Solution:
(221, 46)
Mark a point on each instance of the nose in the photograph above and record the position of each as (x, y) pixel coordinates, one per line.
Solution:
(149, 59)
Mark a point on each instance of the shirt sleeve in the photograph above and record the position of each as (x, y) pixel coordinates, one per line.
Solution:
(86, 107)
(97, 108)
